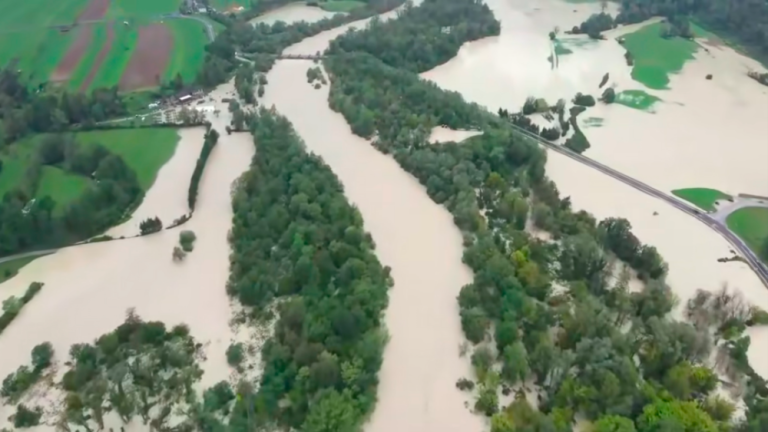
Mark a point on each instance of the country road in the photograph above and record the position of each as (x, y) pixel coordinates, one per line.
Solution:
(752, 260)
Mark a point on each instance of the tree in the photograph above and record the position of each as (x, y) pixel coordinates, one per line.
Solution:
(235, 354)
(150, 225)
(685, 414)
(178, 254)
(25, 417)
(609, 95)
(42, 355)
(187, 240)
(515, 363)
(332, 412)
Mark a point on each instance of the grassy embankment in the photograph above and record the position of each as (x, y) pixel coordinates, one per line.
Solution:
(27, 38)
(144, 150)
(702, 198)
(751, 225)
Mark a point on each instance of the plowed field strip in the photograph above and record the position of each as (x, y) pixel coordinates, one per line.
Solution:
(149, 59)
(99, 60)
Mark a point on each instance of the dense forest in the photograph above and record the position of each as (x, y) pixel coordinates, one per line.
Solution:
(299, 245)
(30, 222)
(557, 315)
(24, 111)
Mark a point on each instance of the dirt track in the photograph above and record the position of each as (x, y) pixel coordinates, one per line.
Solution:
(149, 59)
(103, 51)
(96, 9)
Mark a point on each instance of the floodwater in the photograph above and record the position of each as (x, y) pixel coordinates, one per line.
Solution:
(415, 237)
(89, 288)
(703, 135)
(293, 12)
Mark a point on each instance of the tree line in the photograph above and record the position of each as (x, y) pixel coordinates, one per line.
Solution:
(211, 138)
(549, 314)
(26, 111)
(29, 221)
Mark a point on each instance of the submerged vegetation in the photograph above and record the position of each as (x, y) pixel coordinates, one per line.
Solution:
(547, 313)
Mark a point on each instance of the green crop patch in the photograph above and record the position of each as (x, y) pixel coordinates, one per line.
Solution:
(117, 58)
(189, 41)
(143, 8)
(655, 57)
(751, 225)
(702, 198)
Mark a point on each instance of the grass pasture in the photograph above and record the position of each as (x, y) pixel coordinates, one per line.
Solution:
(340, 5)
(656, 57)
(142, 8)
(37, 51)
(702, 198)
(189, 41)
(751, 225)
(27, 14)
(144, 150)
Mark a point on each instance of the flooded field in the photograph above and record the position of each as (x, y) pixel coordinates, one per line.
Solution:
(700, 133)
(293, 12)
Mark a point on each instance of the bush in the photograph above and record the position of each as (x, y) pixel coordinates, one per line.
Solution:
(25, 417)
(464, 384)
(187, 240)
(609, 95)
(235, 354)
(42, 355)
(584, 100)
(150, 225)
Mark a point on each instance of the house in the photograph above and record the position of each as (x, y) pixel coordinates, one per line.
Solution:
(153, 105)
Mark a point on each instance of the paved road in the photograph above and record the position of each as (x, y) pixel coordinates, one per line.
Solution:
(754, 262)
(738, 203)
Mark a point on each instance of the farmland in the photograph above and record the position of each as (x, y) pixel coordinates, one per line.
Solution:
(130, 43)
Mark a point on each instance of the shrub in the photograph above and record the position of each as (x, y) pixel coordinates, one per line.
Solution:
(178, 254)
(25, 417)
(464, 384)
(187, 240)
(584, 100)
(235, 354)
(42, 355)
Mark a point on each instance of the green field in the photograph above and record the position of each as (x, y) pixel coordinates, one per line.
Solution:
(655, 57)
(144, 150)
(36, 13)
(751, 225)
(117, 58)
(9, 269)
(189, 41)
(225, 4)
(61, 186)
(142, 8)
(341, 5)
(702, 198)
(637, 99)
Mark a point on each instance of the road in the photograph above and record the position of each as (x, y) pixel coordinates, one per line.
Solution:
(27, 255)
(752, 260)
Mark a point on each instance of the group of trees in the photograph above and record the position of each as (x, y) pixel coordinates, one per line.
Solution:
(24, 111)
(211, 138)
(297, 243)
(594, 348)
(12, 306)
(28, 221)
